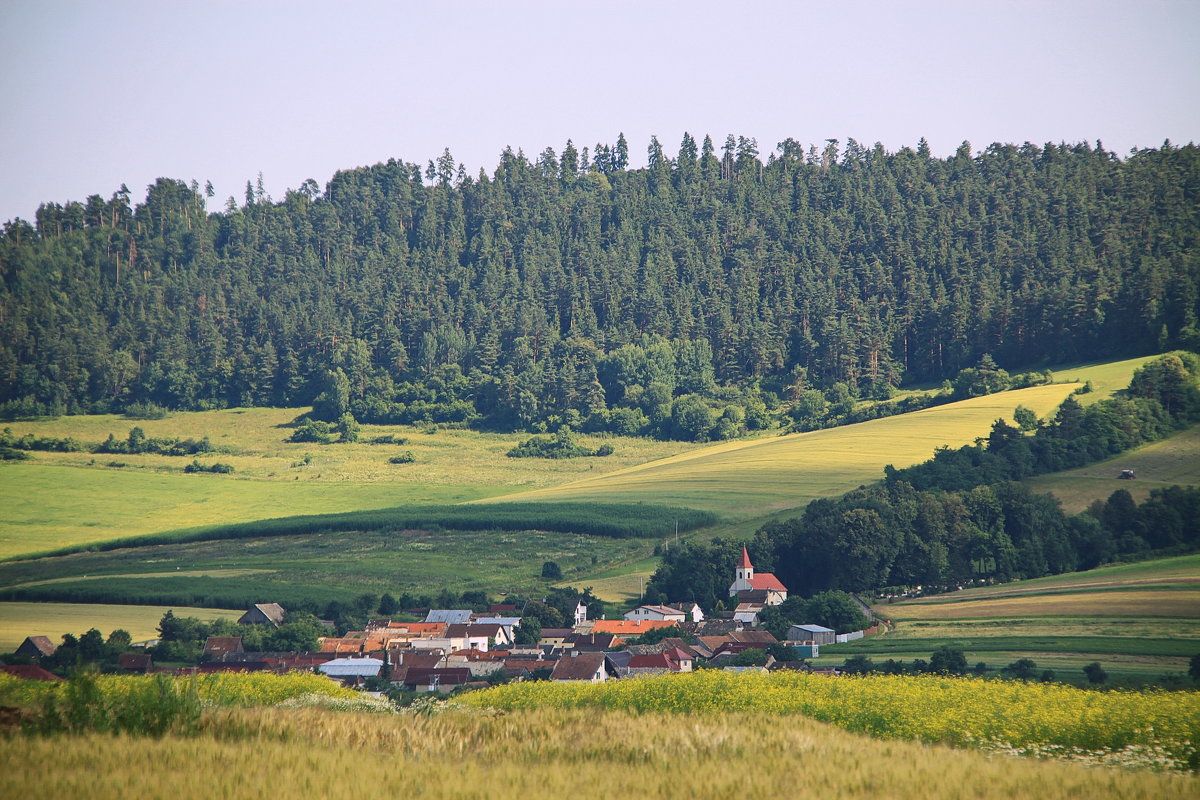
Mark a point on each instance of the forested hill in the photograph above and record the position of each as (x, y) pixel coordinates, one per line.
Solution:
(550, 282)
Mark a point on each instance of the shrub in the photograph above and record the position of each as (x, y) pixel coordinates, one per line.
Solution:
(405, 457)
(312, 431)
(145, 410)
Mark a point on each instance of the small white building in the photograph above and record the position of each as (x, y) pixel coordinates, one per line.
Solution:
(745, 580)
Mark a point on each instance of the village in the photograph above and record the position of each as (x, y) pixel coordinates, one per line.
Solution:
(457, 649)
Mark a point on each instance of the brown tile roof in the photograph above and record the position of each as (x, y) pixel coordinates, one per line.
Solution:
(448, 676)
(29, 672)
(135, 661)
(41, 645)
(582, 667)
(759, 637)
(219, 645)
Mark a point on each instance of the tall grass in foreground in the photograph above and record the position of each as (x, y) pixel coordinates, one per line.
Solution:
(592, 753)
(1154, 729)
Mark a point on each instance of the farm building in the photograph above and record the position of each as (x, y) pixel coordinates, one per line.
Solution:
(450, 616)
(351, 668)
(263, 614)
(816, 634)
(216, 647)
(37, 647)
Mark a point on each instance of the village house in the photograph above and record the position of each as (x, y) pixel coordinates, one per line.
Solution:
(691, 611)
(745, 580)
(655, 612)
(590, 667)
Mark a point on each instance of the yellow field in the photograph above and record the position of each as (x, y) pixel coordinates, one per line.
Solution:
(1172, 461)
(18, 620)
(592, 752)
(745, 479)
(1160, 603)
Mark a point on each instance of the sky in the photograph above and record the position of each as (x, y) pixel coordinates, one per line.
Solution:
(96, 93)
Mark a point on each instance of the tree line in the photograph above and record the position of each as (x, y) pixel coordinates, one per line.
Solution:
(686, 298)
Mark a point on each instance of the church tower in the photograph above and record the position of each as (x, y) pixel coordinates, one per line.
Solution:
(745, 570)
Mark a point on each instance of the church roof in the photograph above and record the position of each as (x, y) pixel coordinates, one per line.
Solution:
(765, 580)
(744, 563)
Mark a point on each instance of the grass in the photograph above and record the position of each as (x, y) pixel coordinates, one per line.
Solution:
(319, 567)
(1140, 603)
(1107, 377)
(1175, 460)
(743, 480)
(1141, 621)
(614, 753)
(18, 620)
(47, 506)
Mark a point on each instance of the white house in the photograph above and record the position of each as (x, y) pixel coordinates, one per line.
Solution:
(665, 613)
(746, 581)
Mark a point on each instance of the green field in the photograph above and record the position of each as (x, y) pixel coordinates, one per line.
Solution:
(1140, 621)
(63, 499)
(1172, 461)
(18, 620)
(743, 480)
(316, 567)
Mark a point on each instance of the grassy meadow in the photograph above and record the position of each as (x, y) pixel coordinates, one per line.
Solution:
(316, 567)
(1172, 461)
(62, 499)
(1141, 621)
(18, 620)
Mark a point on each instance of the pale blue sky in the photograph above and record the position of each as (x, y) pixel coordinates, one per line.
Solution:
(100, 93)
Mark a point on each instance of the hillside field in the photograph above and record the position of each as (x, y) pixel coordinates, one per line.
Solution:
(748, 479)
(18, 620)
(1141, 621)
(62, 499)
(1175, 460)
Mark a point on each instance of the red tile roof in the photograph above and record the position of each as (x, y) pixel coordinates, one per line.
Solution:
(765, 580)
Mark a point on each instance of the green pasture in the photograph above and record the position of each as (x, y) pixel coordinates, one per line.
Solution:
(1106, 376)
(743, 480)
(48, 507)
(1171, 571)
(18, 620)
(1141, 621)
(314, 567)
(1175, 460)
(63, 499)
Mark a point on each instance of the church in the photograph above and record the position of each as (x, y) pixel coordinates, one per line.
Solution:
(762, 588)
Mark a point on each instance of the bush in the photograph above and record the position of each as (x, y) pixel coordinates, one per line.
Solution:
(217, 467)
(312, 431)
(561, 445)
(551, 571)
(146, 410)
(405, 457)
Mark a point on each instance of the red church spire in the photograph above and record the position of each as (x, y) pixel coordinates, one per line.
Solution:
(745, 562)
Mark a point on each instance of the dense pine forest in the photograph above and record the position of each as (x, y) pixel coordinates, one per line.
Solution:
(572, 289)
